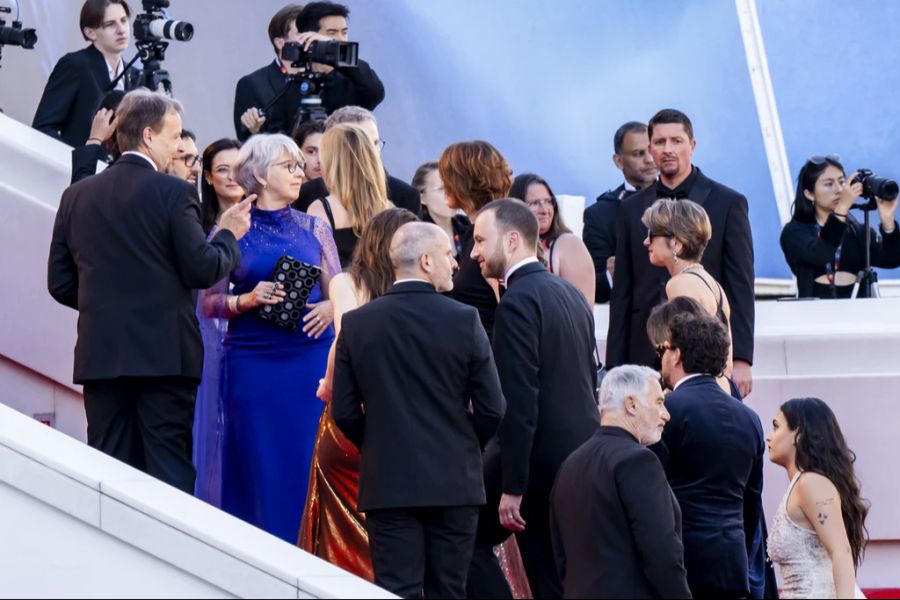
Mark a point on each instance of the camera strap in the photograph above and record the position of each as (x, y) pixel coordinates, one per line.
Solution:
(832, 267)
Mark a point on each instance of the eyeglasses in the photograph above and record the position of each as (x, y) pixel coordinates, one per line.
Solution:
(190, 160)
(548, 202)
(821, 160)
(380, 144)
(659, 234)
(661, 349)
(291, 166)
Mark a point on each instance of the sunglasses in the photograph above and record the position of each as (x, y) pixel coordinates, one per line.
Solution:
(661, 350)
(660, 234)
(819, 160)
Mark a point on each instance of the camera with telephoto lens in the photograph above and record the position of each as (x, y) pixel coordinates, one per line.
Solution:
(15, 35)
(875, 186)
(333, 53)
(155, 24)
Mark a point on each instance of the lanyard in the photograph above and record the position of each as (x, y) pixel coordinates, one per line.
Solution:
(831, 268)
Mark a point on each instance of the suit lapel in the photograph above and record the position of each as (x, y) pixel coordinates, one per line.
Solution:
(275, 77)
(98, 68)
(702, 188)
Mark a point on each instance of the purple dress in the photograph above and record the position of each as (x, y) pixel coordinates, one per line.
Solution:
(268, 381)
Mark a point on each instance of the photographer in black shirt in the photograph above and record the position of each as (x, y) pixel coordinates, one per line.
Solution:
(318, 21)
(823, 243)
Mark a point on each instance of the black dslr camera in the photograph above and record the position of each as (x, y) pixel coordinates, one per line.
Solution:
(873, 185)
(333, 53)
(154, 24)
(15, 35)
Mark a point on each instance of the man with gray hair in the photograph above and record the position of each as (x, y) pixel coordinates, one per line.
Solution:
(615, 523)
(399, 192)
(128, 253)
(416, 390)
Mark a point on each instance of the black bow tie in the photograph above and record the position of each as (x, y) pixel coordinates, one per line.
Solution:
(676, 194)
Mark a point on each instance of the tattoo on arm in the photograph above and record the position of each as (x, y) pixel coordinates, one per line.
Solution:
(825, 502)
(822, 518)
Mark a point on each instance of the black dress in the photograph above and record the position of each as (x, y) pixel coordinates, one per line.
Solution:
(812, 251)
(470, 287)
(459, 223)
(344, 238)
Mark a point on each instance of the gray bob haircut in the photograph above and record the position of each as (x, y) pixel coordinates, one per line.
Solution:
(138, 110)
(349, 114)
(624, 381)
(258, 154)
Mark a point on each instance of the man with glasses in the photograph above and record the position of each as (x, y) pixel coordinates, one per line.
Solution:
(720, 499)
(186, 164)
(399, 192)
(638, 286)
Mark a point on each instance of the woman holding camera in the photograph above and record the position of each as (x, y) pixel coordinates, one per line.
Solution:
(824, 244)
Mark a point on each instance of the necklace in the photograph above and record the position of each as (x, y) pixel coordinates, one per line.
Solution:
(693, 267)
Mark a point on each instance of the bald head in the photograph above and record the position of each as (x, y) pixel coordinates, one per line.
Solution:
(423, 251)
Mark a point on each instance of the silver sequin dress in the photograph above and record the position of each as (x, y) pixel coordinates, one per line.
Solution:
(804, 562)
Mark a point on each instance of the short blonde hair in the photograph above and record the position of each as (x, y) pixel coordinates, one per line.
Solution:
(353, 172)
(258, 154)
(685, 220)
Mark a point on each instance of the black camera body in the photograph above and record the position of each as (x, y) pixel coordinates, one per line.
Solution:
(15, 35)
(154, 24)
(875, 186)
(333, 53)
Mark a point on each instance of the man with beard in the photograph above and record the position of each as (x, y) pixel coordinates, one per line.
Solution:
(544, 349)
(720, 499)
(638, 286)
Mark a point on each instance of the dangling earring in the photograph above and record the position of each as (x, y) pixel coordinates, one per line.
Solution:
(675, 254)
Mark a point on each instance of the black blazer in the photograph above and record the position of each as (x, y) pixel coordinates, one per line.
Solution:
(343, 87)
(599, 235)
(638, 286)
(127, 253)
(615, 524)
(544, 348)
(407, 366)
(399, 192)
(720, 497)
(808, 252)
(85, 158)
(73, 93)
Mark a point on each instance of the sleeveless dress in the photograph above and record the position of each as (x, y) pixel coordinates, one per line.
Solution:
(804, 562)
(268, 378)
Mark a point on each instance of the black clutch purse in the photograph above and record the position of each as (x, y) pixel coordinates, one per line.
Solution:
(298, 279)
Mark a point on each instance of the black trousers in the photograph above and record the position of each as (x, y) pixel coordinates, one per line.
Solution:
(422, 549)
(145, 422)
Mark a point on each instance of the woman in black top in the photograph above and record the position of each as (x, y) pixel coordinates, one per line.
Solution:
(823, 243)
(474, 173)
(352, 171)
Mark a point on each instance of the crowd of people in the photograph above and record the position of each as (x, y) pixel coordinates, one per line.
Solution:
(437, 420)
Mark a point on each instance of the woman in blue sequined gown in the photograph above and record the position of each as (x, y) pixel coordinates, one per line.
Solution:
(270, 374)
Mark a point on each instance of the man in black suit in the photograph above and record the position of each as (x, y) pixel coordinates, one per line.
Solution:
(80, 79)
(638, 286)
(720, 499)
(544, 348)
(399, 192)
(632, 156)
(127, 253)
(416, 389)
(344, 86)
(615, 523)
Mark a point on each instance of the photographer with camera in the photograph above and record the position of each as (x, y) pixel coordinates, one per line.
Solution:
(824, 244)
(80, 79)
(309, 34)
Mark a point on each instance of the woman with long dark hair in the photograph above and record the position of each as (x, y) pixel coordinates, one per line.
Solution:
(819, 532)
(332, 527)
(566, 254)
(218, 190)
(823, 243)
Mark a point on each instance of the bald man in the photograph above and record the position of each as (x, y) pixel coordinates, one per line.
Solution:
(416, 389)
